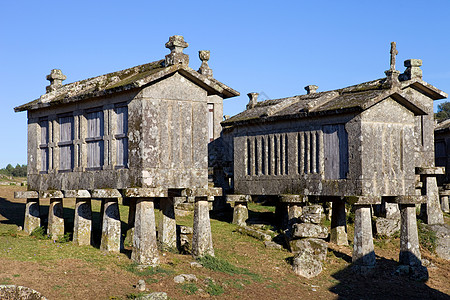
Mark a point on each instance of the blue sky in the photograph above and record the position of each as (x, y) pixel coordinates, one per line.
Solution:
(271, 47)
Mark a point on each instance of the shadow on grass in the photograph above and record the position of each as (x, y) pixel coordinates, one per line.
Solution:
(12, 211)
(382, 282)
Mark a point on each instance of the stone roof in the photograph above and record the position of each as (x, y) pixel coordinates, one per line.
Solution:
(442, 127)
(135, 77)
(354, 98)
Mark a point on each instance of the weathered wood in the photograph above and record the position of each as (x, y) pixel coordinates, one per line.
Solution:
(65, 143)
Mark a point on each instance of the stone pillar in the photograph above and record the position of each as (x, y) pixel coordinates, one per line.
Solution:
(145, 248)
(55, 218)
(202, 238)
(110, 240)
(82, 222)
(433, 213)
(444, 204)
(131, 219)
(363, 251)
(338, 233)
(240, 213)
(32, 215)
(167, 234)
(409, 239)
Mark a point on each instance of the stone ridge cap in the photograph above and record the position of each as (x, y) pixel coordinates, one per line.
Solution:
(306, 97)
(135, 77)
(437, 93)
(442, 126)
(62, 92)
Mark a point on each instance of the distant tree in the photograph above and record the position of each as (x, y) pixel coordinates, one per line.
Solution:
(18, 171)
(443, 112)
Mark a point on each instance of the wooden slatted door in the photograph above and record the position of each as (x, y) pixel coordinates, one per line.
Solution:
(94, 139)
(121, 136)
(66, 143)
(335, 151)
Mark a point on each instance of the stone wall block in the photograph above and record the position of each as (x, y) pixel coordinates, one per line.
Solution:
(363, 250)
(110, 240)
(202, 238)
(82, 222)
(55, 218)
(145, 248)
(32, 215)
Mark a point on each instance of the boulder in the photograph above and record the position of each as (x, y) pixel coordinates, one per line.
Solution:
(310, 218)
(312, 246)
(392, 211)
(153, 296)
(306, 265)
(443, 240)
(307, 230)
(387, 227)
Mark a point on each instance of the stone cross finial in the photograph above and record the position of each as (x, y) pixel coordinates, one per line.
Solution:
(394, 52)
(176, 44)
(311, 89)
(204, 68)
(252, 100)
(56, 77)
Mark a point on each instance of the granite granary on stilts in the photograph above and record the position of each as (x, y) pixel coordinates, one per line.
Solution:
(152, 135)
(139, 134)
(366, 144)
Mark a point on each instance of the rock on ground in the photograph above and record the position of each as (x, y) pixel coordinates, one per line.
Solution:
(443, 240)
(185, 277)
(19, 293)
(387, 227)
(312, 246)
(153, 296)
(306, 265)
(306, 230)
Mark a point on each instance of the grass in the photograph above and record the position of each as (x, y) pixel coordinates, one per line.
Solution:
(189, 288)
(214, 289)
(427, 238)
(221, 265)
(148, 271)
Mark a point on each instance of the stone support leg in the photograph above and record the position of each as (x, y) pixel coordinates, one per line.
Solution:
(145, 248)
(294, 211)
(32, 215)
(433, 207)
(167, 234)
(338, 233)
(444, 204)
(131, 219)
(409, 239)
(363, 251)
(240, 213)
(202, 238)
(110, 240)
(55, 218)
(82, 222)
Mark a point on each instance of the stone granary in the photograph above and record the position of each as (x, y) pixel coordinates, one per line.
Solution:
(362, 144)
(140, 134)
(442, 152)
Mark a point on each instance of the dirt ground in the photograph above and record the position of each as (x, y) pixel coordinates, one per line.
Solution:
(65, 271)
